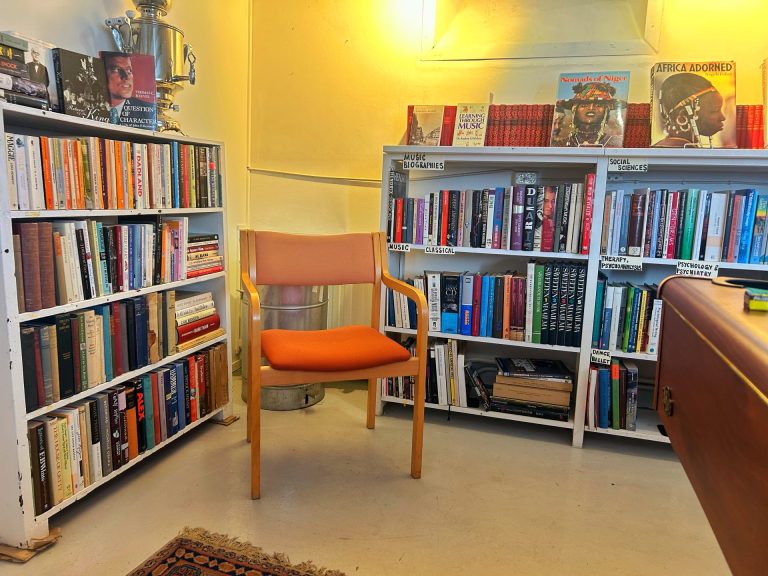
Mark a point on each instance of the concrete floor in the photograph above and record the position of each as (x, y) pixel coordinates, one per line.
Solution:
(496, 497)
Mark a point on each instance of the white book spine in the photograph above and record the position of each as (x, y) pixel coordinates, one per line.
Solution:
(591, 398)
(461, 380)
(644, 223)
(468, 216)
(425, 221)
(124, 264)
(489, 220)
(22, 179)
(462, 216)
(96, 464)
(619, 203)
(185, 304)
(194, 316)
(611, 215)
(433, 299)
(35, 174)
(10, 165)
(74, 258)
(713, 246)
(398, 309)
(530, 297)
(655, 327)
(618, 297)
(443, 394)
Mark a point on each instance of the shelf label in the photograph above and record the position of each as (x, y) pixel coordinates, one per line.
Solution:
(631, 263)
(399, 247)
(32, 214)
(439, 250)
(625, 164)
(597, 356)
(697, 268)
(421, 161)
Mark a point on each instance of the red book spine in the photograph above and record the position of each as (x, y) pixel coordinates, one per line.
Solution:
(449, 122)
(185, 175)
(30, 261)
(195, 329)
(399, 220)
(117, 339)
(548, 223)
(444, 209)
(156, 403)
(47, 180)
(409, 121)
(589, 199)
(477, 298)
(674, 201)
(204, 271)
(192, 388)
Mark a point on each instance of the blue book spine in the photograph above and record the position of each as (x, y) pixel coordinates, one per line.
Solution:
(175, 173)
(635, 318)
(411, 310)
(624, 232)
(178, 369)
(604, 395)
(498, 216)
(484, 301)
(747, 226)
(391, 307)
(596, 323)
(491, 304)
(605, 328)
(171, 402)
(761, 212)
(149, 411)
(655, 223)
(103, 311)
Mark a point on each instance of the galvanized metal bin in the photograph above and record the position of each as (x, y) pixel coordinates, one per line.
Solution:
(290, 308)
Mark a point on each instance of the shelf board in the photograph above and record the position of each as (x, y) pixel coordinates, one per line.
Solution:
(123, 378)
(17, 214)
(479, 412)
(723, 265)
(634, 355)
(647, 428)
(64, 308)
(84, 492)
(47, 120)
(501, 341)
(497, 252)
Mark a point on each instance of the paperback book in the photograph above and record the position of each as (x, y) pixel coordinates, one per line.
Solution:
(591, 109)
(82, 85)
(471, 124)
(693, 105)
(131, 89)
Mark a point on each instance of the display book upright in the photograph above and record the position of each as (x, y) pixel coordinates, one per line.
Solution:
(20, 524)
(487, 168)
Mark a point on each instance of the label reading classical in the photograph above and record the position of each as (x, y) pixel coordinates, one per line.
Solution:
(439, 250)
(421, 161)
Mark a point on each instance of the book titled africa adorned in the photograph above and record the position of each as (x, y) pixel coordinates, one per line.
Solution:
(693, 104)
(591, 109)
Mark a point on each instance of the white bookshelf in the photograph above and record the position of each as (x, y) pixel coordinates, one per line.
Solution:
(487, 167)
(19, 524)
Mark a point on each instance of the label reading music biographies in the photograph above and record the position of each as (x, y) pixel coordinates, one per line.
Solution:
(399, 247)
(439, 250)
(421, 161)
(631, 263)
(624, 164)
(597, 356)
(697, 268)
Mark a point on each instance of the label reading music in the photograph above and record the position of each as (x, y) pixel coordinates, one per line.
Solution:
(696, 268)
(624, 164)
(439, 250)
(399, 247)
(631, 263)
(421, 161)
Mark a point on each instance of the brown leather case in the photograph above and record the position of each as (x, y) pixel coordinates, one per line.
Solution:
(712, 396)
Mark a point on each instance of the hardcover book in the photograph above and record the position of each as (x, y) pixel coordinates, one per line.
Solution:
(82, 85)
(425, 125)
(131, 89)
(471, 124)
(693, 105)
(38, 58)
(591, 109)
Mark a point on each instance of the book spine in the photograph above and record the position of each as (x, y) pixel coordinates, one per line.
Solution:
(589, 198)
(529, 218)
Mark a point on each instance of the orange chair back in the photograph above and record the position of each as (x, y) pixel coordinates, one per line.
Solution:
(311, 260)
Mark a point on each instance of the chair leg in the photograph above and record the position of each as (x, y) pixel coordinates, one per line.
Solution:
(371, 411)
(254, 429)
(417, 443)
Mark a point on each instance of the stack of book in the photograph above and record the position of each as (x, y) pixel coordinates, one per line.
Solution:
(203, 255)
(546, 306)
(61, 261)
(687, 224)
(749, 126)
(196, 319)
(16, 84)
(613, 396)
(76, 446)
(47, 173)
(627, 317)
(637, 128)
(69, 353)
(519, 124)
(529, 387)
(554, 218)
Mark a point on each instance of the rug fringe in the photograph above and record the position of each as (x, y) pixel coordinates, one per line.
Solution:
(246, 548)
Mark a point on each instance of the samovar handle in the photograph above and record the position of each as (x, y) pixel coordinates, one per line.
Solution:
(189, 55)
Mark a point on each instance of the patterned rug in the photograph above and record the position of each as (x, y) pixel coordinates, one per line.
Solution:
(197, 552)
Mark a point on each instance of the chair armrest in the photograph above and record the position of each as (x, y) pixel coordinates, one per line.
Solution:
(253, 300)
(412, 293)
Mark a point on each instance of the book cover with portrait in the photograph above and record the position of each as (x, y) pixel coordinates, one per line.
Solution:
(82, 85)
(131, 89)
(693, 104)
(591, 109)
(38, 58)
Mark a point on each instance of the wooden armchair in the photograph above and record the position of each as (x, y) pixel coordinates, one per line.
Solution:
(339, 354)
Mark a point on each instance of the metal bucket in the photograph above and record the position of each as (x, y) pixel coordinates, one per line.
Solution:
(290, 308)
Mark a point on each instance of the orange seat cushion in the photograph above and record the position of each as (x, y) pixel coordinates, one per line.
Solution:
(346, 348)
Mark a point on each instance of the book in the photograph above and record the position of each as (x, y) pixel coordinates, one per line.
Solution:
(471, 124)
(591, 109)
(38, 56)
(131, 89)
(82, 85)
(693, 104)
(532, 368)
(425, 125)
